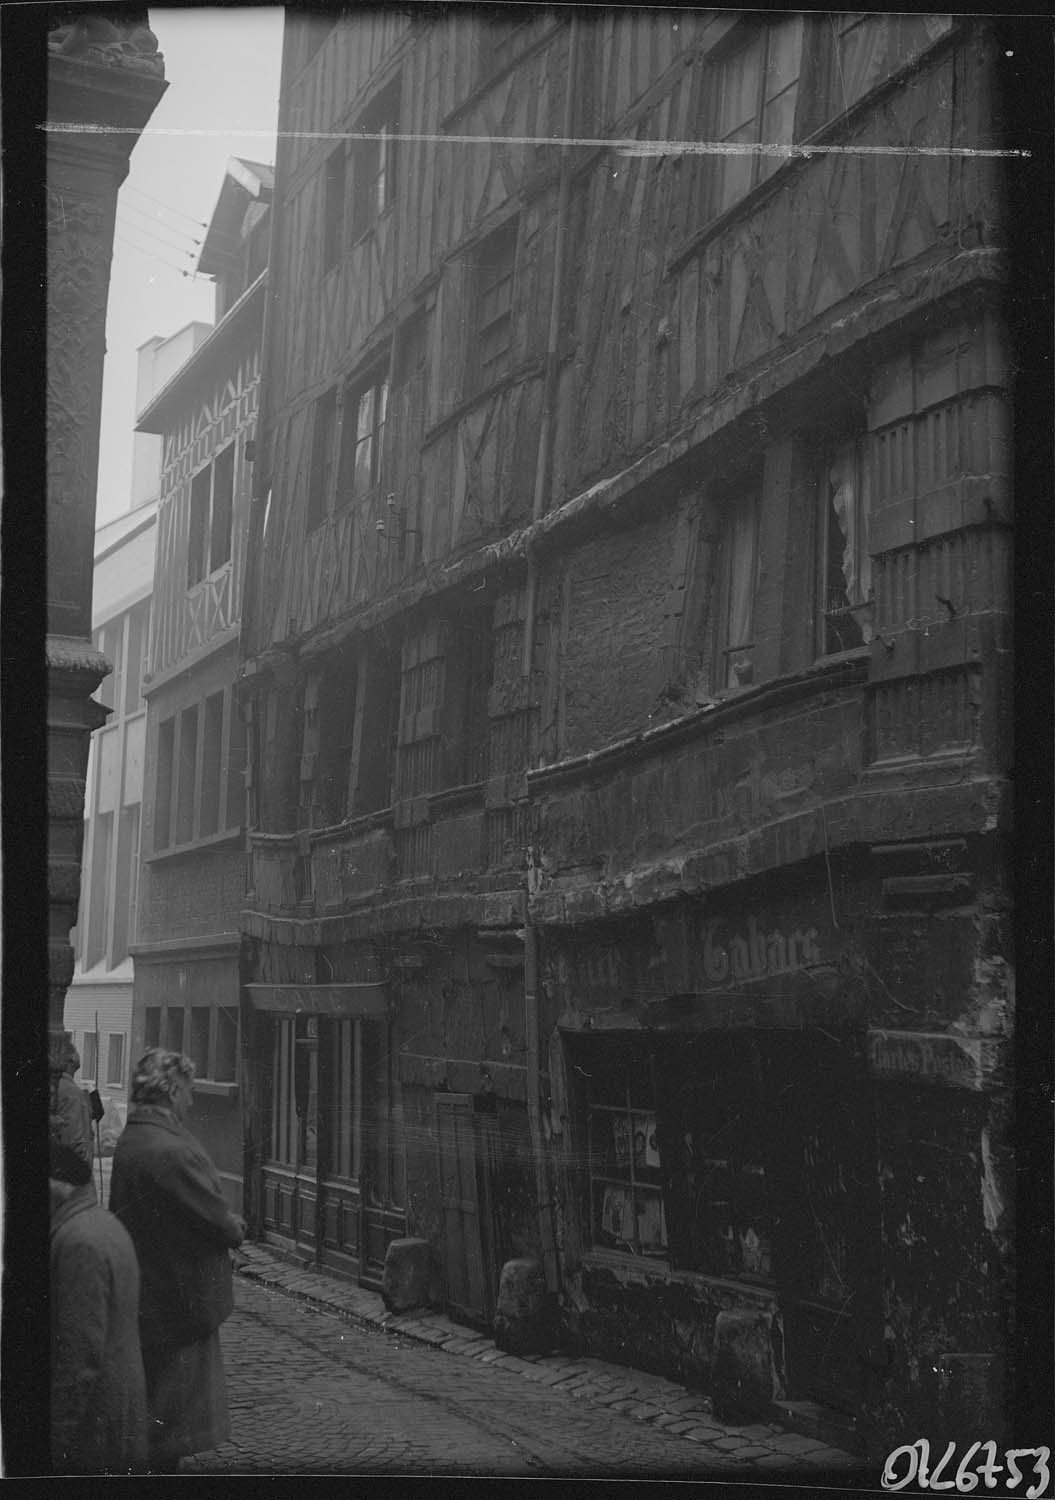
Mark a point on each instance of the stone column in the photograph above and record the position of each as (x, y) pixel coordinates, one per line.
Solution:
(105, 77)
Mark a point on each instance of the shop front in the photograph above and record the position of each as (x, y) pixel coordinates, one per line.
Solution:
(330, 1173)
(719, 1149)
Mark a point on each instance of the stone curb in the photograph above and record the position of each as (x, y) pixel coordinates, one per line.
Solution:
(644, 1398)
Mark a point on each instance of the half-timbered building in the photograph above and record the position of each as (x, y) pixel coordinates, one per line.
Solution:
(625, 669)
(187, 974)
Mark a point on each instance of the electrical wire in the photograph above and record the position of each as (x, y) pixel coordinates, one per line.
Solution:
(201, 223)
(169, 245)
(152, 218)
(158, 260)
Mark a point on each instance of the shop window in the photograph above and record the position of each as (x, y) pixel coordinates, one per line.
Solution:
(115, 1060)
(737, 586)
(163, 797)
(626, 1197)
(362, 435)
(320, 478)
(152, 1026)
(844, 567)
(751, 86)
(373, 161)
(493, 341)
(714, 1133)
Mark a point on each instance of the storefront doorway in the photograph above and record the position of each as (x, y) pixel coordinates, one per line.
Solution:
(332, 1169)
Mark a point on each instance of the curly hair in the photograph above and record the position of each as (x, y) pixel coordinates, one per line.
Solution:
(157, 1074)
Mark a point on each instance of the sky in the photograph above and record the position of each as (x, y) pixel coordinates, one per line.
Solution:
(222, 67)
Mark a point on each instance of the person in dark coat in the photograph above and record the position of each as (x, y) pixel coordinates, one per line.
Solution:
(72, 1107)
(98, 1388)
(166, 1192)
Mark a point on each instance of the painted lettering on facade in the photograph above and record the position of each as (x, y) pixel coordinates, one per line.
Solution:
(755, 954)
(939, 1059)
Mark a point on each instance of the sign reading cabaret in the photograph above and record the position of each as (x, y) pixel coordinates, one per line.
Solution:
(735, 956)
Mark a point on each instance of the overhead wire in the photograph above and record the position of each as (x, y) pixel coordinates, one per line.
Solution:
(159, 260)
(152, 218)
(169, 244)
(131, 188)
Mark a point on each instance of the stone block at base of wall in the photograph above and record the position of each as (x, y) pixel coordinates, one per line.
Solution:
(746, 1375)
(411, 1277)
(526, 1319)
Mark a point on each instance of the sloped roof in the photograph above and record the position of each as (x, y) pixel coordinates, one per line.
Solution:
(244, 182)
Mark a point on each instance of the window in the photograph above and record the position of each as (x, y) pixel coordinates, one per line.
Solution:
(115, 1060)
(467, 685)
(336, 738)
(753, 84)
(738, 580)
(858, 51)
(381, 695)
(372, 158)
(714, 1134)
(844, 567)
(362, 436)
(211, 511)
(152, 1026)
(99, 897)
(322, 446)
(495, 266)
(225, 1052)
(90, 1057)
(174, 1028)
(188, 766)
(163, 802)
(235, 805)
(138, 635)
(211, 766)
(110, 641)
(200, 1018)
(127, 875)
(626, 1198)
(503, 35)
(333, 208)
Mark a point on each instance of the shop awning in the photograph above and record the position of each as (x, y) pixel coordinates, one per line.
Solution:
(345, 1000)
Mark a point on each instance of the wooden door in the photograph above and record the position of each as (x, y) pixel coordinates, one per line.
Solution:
(381, 1173)
(827, 1231)
(466, 1141)
(290, 1170)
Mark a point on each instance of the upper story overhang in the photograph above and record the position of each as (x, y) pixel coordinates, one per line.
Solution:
(243, 322)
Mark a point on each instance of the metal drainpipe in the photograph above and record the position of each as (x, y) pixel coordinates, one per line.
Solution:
(542, 474)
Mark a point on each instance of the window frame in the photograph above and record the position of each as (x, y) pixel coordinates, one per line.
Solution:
(159, 1028)
(600, 1184)
(371, 190)
(375, 384)
(745, 35)
(826, 450)
(748, 494)
(200, 551)
(324, 438)
(495, 267)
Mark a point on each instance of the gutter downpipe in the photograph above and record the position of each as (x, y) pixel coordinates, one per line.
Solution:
(542, 477)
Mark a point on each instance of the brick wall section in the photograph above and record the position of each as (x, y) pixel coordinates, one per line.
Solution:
(192, 895)
(617, 660)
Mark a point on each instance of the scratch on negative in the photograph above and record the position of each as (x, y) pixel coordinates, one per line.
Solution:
(628, 146)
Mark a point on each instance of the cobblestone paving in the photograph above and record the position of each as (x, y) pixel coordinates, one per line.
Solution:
(312, 1392)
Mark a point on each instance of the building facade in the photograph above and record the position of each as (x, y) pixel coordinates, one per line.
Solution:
(625, 672)
(192, 877)
(98, 1012)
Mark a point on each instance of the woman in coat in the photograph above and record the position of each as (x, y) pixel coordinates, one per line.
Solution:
(98, 1392)
(166, 1192)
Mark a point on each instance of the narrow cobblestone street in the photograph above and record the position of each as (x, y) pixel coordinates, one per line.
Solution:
(312, 1392)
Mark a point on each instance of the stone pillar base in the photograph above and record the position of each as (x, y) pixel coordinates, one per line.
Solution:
(410, 1278)
(526, 1320)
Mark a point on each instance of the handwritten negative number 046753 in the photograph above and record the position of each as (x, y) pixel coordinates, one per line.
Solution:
(911, 1462)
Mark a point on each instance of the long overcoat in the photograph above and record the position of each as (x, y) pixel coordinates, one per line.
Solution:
(98, 1394)
(166, 1192)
